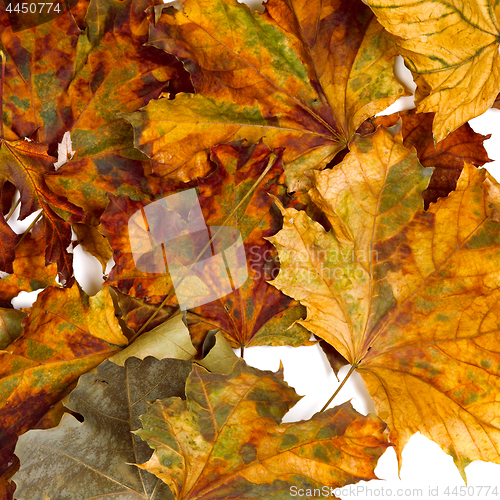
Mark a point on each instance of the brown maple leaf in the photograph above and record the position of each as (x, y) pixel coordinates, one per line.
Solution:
(303, 77)
(254, 313)
(59, 78)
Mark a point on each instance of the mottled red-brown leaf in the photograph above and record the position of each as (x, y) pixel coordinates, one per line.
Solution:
(447, 157)
(252, 314)
(62, 79)
(134, 312)
(124, 275)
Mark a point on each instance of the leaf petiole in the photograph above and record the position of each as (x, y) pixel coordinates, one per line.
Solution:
(13, 209)
(38, 217)
(349, 373)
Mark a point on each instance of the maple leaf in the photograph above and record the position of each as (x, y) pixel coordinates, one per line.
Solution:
(227, 438)
(29, 270)
(93, 459)
(170, 339)
(61, 80)
(447, 157)
(409, 298)
(452, 52)
(124, 275)
(303, 78)
(65, 334)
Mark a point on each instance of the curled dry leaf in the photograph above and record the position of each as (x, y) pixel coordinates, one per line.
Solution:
(452, 50)
(94, 243)
(409, 298)
(134, 312)
(7, 193)
(168, 340)
(65, 335)
(171, 340)
(302, 77)
(93, 459)
(447, 157)
(24, 164)
(227, 439)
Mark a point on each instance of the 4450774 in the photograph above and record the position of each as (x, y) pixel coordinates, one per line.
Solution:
(33, 8)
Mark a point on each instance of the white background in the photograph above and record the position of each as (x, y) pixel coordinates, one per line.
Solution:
(425, 465)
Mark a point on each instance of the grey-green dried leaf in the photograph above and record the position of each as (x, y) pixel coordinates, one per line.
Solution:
(10, 325)
(221, 358)
(93, 459)
(171, 339)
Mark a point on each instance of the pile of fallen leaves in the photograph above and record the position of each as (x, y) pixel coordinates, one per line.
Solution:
(380, 236)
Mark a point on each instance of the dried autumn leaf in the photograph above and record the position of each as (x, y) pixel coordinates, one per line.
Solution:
(93, 459)
(61, 80)
(447, 157)
(64, 336)
(227, 439)
(255, 313)
(7, 193)
(452, 51)
(29, 270)
(305, 77)
(24, 164)
(409, 298)
(171, 340)
(335, 359)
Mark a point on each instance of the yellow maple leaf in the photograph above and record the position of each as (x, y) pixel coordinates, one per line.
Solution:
(409, 298)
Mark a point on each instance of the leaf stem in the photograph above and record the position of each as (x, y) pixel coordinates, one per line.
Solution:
(2, 55)
(13, 209)
(272, 160)
(349, 373)
(38, 217)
